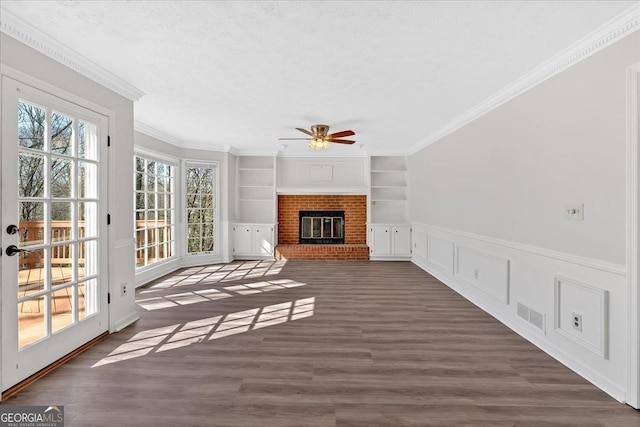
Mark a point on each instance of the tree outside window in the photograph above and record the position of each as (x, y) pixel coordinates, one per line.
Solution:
(200, 209)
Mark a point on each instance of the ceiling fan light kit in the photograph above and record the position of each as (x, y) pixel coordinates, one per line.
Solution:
(320, 139)
(319, 144)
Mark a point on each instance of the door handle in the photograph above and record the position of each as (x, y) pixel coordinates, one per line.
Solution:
(13, 249)
(12, 229)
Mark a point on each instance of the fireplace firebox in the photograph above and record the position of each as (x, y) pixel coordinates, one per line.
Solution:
(321, 227)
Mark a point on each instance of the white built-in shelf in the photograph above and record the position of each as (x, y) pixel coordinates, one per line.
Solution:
(388, 189)
(256, 189)
(388, 163)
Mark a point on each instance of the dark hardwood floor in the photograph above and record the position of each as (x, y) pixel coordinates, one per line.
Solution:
(326, 343)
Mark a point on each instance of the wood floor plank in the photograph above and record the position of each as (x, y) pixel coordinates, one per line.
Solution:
(329, 343)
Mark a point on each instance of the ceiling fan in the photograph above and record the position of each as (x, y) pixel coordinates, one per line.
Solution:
(320, 137)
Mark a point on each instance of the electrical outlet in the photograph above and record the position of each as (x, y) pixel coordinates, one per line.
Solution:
(123, 289)
(576, 321)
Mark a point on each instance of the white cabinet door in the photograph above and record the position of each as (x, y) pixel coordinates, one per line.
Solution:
(242, 239)
(263, 240)
(380, 240)
(401, 238)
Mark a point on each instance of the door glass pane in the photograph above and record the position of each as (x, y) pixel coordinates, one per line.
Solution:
(87, 141)
(31, 272)
(87, 298)
(31, 126)
(151, 200)
(61, 173)
(31, 180)
(31, 223)
(87, 258)
(61, 308)
(61, 229)
(88, 180)
(61, 264)
(87, 219)
(61, 134)
(31, 324)
(140, 181)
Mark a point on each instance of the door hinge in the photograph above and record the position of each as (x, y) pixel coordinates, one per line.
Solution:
(108, 140)
(108, 219)
(108, 297)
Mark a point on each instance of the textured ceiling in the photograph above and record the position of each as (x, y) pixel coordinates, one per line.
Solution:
(242, 74)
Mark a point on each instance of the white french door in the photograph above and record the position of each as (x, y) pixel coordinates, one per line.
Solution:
(53, 229)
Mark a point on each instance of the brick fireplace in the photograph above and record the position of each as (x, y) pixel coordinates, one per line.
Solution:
(355, 227)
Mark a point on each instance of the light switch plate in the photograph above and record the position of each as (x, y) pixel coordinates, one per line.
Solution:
(574, 212)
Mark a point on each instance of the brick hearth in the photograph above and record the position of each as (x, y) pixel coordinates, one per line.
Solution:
(327, 252)
(355, 216)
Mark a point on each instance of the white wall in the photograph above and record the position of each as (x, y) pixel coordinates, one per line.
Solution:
(497, 189)
(313, 175)
(22, 58)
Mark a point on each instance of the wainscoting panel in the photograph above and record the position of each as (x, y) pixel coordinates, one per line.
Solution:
(581, 314)
(440, 253)
(420, 243)
(489, 273)
(535, 292)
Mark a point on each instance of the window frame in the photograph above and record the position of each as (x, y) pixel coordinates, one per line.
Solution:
(217, 243)
(174, 210)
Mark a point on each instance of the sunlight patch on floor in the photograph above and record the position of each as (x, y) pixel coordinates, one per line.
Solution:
(205, 295)
(237, 270)
(181, 335)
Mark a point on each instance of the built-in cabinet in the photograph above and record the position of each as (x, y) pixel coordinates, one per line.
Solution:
(252, 240)
(390, 241)
(389, 233)
(253, 236)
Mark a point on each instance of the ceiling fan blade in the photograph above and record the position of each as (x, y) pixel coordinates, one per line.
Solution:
(341, 134)
(291, 139)
(304, 131)
(341, 141)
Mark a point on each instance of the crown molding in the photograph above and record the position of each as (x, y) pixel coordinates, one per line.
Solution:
(24, 32)
(607, 34)
(170, 139)
(155, 133)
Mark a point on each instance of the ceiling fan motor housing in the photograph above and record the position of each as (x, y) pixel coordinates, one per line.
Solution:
(320, 130)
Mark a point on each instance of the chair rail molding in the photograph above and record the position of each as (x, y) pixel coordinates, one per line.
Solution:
(609, 267)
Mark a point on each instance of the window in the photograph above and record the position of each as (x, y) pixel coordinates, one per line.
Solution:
(155, 210)
(200, 186)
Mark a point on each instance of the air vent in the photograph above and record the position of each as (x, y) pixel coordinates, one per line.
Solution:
(531, 316)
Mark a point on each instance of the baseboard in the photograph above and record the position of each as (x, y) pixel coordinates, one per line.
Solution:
(390, 258)
(253, 257)
(154, 272)
(584, 371)
(123, 323)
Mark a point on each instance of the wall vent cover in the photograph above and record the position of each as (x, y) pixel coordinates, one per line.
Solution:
(531, 316)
